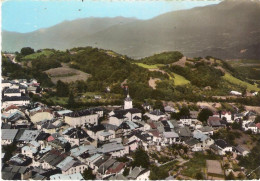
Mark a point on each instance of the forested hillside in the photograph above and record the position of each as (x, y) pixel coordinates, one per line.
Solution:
(202, 77)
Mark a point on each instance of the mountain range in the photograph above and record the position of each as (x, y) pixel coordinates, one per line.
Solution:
(228, 30)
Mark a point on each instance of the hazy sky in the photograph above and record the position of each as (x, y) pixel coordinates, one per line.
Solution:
(29, 15)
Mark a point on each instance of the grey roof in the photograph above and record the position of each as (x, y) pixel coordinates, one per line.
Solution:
(183, 131)
(136, 172)
(206, 129)
(157, 112)
(16, 169)
(67, 163)
(9, 134)
(240, 149)
(191, 141)
(16, 98)
(170, 135)
(118, 177)
(102, 169)
(29, 135)
(12, 91)
(110, 147)
(128, 98)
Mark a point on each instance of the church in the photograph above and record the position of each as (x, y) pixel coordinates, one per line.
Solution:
(128, 113)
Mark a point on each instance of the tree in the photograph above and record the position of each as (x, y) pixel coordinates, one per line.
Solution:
(126, 171)
(230, 176)
(184, 111)
(204, 115)
(257, 119)
(62, 89)
(71, 101)
(141, 158)
(27, 51)
(199, 176)
(88, 175)
(159, 105)
(158, 173)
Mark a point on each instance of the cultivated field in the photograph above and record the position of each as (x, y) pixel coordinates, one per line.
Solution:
(36, 55)
(66, 74)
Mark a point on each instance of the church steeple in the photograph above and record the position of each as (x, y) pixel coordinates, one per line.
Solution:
(128, 104)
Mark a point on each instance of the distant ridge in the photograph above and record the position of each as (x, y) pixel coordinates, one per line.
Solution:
(230, 29)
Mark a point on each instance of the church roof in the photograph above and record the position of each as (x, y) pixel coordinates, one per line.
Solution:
(128, 98)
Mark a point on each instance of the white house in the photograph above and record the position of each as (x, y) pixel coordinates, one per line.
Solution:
(223, 146)
(18, 101)
(12, 92)
(81, 118)
(114, 148)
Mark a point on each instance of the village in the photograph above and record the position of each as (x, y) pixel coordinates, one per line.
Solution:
(41, 142)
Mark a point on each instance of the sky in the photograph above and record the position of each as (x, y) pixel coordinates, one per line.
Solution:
(30, 15)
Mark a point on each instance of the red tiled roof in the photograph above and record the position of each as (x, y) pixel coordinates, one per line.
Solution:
(117, 169)
(11, 107)
(258, 125)
(152, 125)
(155, 133)
(226, 112)
(212, 118)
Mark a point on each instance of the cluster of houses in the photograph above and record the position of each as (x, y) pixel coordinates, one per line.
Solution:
(59, 144)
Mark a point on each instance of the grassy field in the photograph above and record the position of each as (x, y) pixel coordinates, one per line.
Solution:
(36, 55)
(155, 66)
(236, 81)
(197, 164)
(179, 80)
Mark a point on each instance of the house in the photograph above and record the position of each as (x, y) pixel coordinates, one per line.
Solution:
(241, 150)
(139, 173)
(170, 138)
(29, 135)
(147, 106)
(11, 109)
(142, 138)
(156, 115)
(251, 126)
(169, 109)
(16, 172)
(188, 121)
(216, 122)
(118, 177)
(92, 159)
(207, 130)
(5, 84)
(82, 150)
(75, 136)
(94, 131)
(221, 147)
(12, 92)
(52, 159)
(118, 116)
(235, 93)
(71, 166)
(258, 127)
(20, 160)
(194, 144)
(15, 100)
(81, 118)
(76, 176)
(29, 151)
(114, 148)
(32, 89)
(8, 136)
(205, 140)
